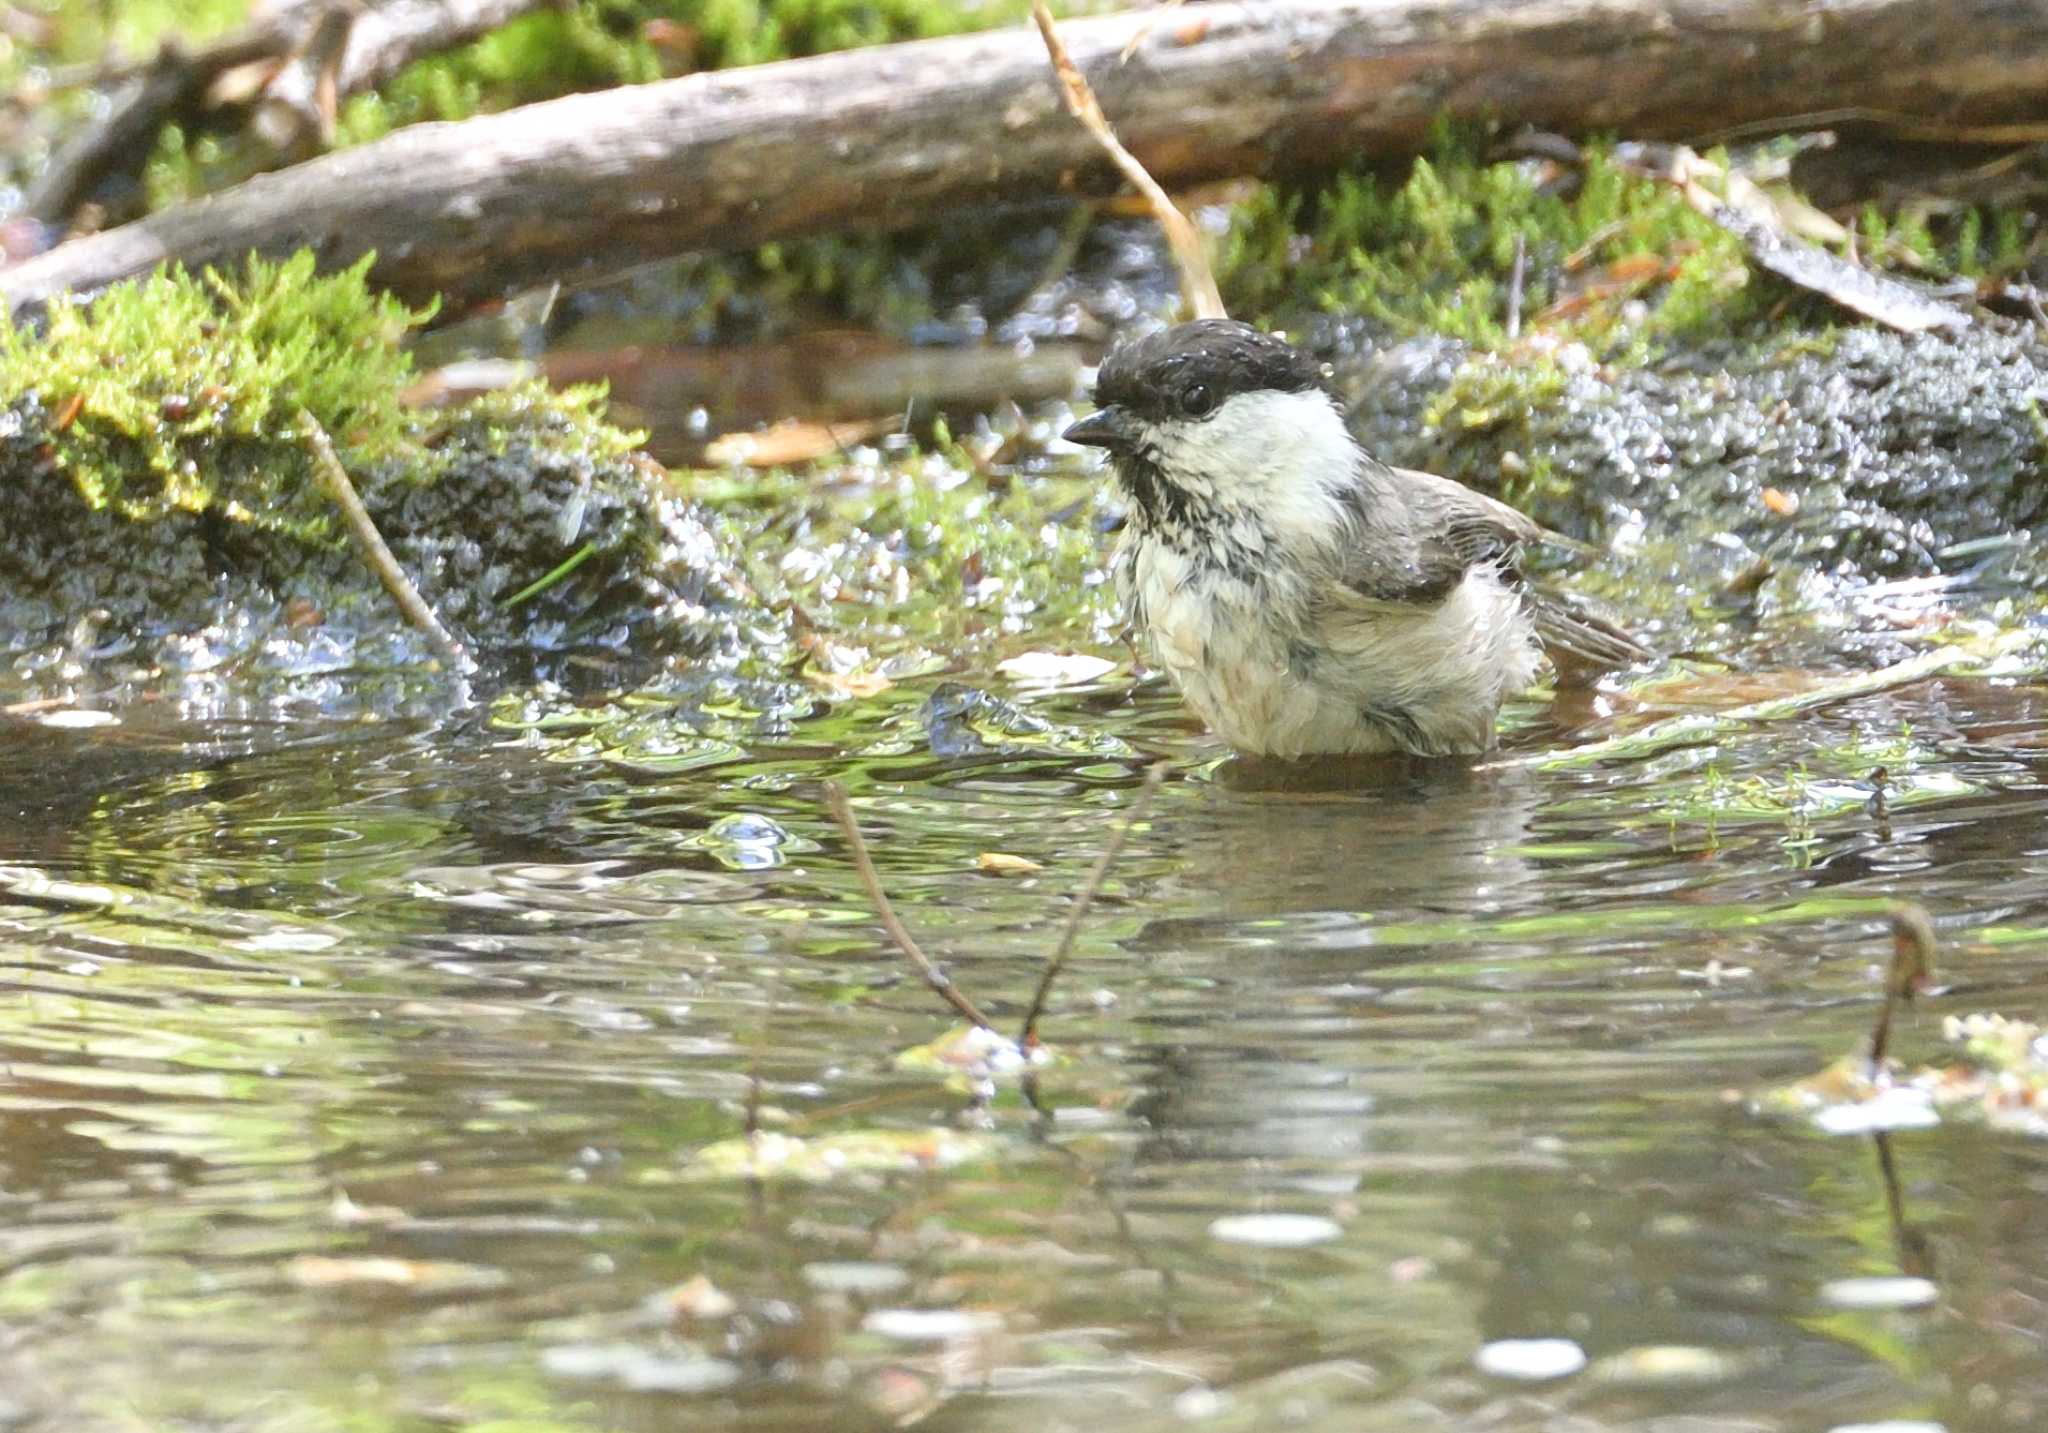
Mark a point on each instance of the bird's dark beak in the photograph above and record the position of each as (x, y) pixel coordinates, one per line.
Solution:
(1108, 427)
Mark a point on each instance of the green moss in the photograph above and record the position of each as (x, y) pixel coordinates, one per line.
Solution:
(180, 393)
(90, 33)
(1486, 392)
(163, 392)
(1434, 253)
(1971, 242)
(154, 470)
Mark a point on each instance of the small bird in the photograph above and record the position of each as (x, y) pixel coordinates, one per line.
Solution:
(1306, 598)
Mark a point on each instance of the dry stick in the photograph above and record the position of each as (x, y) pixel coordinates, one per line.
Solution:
(371, 544)
(1139, 805)
(1197, 283)
(835, 797)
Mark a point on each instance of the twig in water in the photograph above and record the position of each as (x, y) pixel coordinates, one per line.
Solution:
(1114, 848)
(835, 797)
(371, 544)
(1911, 969)
(1197, 283)
(1914, 1254)
(1880, 803)
(1515, 279)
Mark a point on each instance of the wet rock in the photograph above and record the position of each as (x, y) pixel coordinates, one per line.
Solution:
(87, 590)
(1860, 454)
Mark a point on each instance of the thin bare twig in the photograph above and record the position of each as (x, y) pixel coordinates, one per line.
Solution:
(1910, 971)
(1197, 282)
(835, 797)
(1880, 802)
(371, 544)
(1140, 804)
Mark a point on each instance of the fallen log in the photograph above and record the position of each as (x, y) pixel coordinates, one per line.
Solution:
(372, 45)
(885, 137)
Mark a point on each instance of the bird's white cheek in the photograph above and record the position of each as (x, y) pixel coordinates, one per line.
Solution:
(1263, 448)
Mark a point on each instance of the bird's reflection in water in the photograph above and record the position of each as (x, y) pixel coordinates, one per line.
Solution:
(1390, 836)
(1296, 869)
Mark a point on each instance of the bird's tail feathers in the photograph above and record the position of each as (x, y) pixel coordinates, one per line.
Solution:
(1581, 643)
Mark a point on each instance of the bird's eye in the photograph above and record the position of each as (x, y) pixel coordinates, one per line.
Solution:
(1197, 401)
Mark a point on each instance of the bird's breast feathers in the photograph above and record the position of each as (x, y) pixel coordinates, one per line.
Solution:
(1293, 668)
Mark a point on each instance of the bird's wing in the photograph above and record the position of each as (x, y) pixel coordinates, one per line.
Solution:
(1452, 530)
(1449, 530)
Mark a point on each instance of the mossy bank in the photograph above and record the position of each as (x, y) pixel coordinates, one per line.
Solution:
(157, 491)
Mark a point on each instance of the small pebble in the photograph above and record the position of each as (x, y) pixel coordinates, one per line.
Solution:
(78, 720)
(1530, 1360)
(929, 1325)
(638, 1369)
(1275, 1231)
(1899, 1107)
(1670, 1363)
(1879, 1293)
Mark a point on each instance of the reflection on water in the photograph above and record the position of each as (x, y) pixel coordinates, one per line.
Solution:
(354, 1076)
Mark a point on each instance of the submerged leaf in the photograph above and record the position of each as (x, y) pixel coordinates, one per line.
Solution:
(424, 1276)
(1054, 669)
(828, 1157)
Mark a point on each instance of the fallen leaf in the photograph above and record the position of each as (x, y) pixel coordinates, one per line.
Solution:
(1054, 669)
(1002, 863)
(794, 440)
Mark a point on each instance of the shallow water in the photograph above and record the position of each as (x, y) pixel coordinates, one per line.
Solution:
(359, 1076)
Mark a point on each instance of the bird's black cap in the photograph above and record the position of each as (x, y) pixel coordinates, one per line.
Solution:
(1154, 376)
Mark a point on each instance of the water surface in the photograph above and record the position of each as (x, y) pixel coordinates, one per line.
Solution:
(356, 1075)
